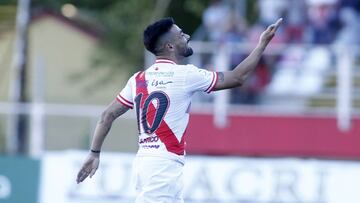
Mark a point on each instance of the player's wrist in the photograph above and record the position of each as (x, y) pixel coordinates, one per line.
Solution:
(93, 151)
(262, 44)
(260, 47)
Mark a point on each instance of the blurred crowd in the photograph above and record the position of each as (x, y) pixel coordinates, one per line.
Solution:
(309, 22)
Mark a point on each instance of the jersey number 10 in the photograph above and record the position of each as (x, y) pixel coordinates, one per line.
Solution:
(146, 110)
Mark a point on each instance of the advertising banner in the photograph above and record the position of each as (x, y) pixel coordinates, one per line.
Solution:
(19, 180)
(207, 179)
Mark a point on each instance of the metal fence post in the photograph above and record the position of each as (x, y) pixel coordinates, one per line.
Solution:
(344, 88)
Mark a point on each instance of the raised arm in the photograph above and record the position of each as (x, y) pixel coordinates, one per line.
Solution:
(113, 111)
(237, 76)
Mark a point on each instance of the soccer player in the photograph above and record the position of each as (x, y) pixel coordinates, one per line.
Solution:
(161, 96)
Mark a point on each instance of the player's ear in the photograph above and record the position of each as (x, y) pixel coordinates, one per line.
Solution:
(170, 46)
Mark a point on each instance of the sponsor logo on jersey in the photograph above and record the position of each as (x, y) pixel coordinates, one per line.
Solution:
(149, 140)
(160, 74)
(150, 146)
(156, 83)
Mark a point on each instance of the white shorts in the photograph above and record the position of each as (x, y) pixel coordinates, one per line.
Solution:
(158, 180)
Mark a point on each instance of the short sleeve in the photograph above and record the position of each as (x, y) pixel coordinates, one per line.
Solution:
(198, 79)
(125, 96)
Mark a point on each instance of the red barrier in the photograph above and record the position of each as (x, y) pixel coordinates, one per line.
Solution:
(273, 136)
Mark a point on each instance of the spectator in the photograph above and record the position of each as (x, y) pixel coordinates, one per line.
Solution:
(271, 10)
(216, 19)
(249, 93)
(355, 4)
(295, 22)
(349, 34)
(323, 24)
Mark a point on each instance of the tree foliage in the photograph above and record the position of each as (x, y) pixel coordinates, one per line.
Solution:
(123, 22)
(7, 14)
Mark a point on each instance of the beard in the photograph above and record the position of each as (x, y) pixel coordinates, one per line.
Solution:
(187, 52)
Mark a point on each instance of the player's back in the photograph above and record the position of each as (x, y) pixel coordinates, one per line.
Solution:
(161, 96)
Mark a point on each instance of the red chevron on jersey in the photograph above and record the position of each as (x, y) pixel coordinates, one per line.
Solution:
(162, 96)
(163, 132)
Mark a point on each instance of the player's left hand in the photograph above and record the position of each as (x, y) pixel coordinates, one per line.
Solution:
(89, 167)
(269, 33)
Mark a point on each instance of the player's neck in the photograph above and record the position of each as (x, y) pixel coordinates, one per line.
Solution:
(171, 58)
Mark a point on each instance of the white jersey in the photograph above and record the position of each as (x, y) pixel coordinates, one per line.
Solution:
(161, 96)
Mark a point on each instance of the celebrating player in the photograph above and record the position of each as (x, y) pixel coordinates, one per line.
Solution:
(161, 96)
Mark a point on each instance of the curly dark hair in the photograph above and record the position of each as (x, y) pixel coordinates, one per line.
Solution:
(154, 31)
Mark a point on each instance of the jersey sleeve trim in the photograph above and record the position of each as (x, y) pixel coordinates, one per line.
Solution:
(125, 102)
(213, 83)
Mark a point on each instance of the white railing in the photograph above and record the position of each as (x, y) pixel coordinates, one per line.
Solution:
(38, 113)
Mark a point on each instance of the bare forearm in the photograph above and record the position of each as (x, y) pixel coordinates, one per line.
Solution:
(113, 111)
(242, 71)
(248, 65)
(101, 130)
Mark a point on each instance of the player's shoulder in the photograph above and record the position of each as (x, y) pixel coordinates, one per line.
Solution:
(194, 70)
(136, 74)
(133, 77)
(189, 68)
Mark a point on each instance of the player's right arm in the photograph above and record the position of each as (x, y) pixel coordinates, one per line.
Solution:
(113, 111)
(237, 76)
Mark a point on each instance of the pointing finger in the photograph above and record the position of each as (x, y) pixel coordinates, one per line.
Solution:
(278, 22)
(273, 27)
